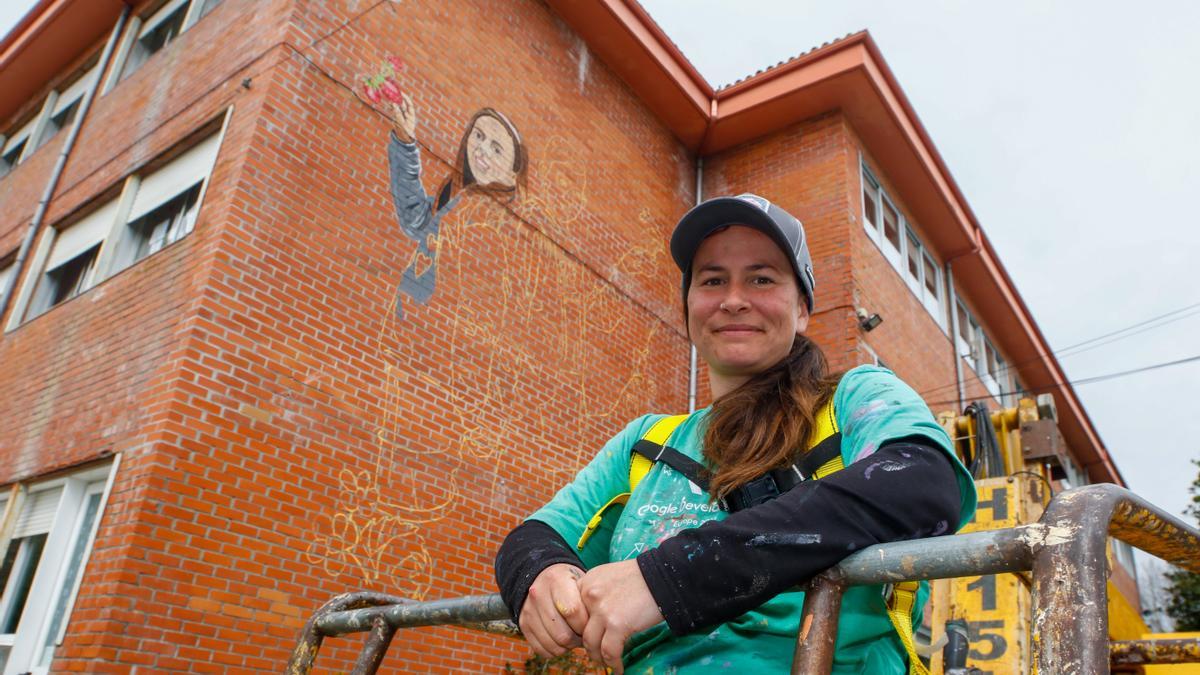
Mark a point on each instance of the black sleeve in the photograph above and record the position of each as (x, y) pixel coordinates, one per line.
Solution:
(527, 550)
(720, 570)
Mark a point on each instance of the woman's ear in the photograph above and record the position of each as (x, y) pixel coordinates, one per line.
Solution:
(802, 318)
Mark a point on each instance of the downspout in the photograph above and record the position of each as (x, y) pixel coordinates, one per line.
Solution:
(958, 372)
(693, 375)
(39, 215)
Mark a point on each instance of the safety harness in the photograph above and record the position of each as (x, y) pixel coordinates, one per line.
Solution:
(824, 457)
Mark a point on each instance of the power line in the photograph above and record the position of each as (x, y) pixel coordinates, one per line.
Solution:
(1116, 335)
(1095, 378)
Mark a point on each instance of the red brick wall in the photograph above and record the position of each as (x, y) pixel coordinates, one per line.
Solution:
(286, 436)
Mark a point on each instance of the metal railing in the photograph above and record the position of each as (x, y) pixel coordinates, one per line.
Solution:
(1065, 550)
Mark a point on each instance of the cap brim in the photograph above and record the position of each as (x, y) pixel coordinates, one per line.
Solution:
(714, 214)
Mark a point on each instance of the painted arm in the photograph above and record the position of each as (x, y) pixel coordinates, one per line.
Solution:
(412, 205)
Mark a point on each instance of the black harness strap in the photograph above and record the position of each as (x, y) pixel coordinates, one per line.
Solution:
(764, 488)
(675, 459)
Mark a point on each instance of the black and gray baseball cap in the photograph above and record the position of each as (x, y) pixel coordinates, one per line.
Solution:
(752, 211)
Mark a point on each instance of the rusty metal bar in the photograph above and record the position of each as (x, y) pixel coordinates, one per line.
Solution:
(814, 648)
(378, 640)
(1144, 652)
(991, 552)
(305, 653)
(479, 611)
(1070, 570)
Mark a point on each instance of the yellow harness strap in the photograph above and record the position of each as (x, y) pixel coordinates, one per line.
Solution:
(638, 468)
(900, 606)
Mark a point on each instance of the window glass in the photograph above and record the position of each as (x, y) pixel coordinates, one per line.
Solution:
(964, 325)
(58, 610)
(891, 225)
(65, 281)
(931, 277)
(164, 225)
(68, 269)
(20, 564)
(6, 277)
(870, 215)
(11, 156)
(158, 32)
(913, 257)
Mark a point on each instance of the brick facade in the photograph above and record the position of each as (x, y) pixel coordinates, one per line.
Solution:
(286, 429)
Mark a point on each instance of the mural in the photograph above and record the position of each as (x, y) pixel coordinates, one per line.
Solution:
(488, 359)
(490, 158)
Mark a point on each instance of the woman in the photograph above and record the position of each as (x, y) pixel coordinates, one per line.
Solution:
(674, 582)
(491, 158)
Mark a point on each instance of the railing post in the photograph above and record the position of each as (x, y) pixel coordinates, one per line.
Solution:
(818, 624)
(1070, 592)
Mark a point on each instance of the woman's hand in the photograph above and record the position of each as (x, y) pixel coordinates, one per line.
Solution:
(553, 616)
(619, 604)
(404, 119)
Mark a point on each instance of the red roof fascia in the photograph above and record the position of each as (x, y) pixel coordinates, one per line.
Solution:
(52, 35)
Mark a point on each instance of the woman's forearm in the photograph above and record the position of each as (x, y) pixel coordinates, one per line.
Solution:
(527, 550)
(721, 570)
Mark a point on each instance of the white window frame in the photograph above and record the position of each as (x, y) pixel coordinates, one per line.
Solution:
(933, 301)
(64, 533)
(113, 241)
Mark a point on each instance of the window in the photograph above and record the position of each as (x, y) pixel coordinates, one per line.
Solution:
(65, 107)
(13, 152)
(983, 357)
(42, 563)
(165, 203)
(155, 208)
(70, 266)
(165, 224)
(150, 36)
(870, 203)
(898, 240)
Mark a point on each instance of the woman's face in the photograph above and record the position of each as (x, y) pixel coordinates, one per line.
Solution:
(490, 153)
(744, 306)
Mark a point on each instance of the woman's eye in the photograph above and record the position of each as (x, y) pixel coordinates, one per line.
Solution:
(711, 281)
(763, 281)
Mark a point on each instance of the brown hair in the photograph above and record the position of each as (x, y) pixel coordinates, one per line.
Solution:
(766, 422)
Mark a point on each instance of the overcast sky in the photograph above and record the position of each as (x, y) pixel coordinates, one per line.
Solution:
(1072, 129)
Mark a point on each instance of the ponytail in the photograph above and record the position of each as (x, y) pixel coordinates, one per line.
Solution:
(766, 422)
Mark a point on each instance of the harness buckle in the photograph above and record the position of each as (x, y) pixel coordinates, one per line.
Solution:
(760, 490)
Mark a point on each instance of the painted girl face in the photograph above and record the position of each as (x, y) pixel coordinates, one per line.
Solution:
(744, 305)
(490, 153)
